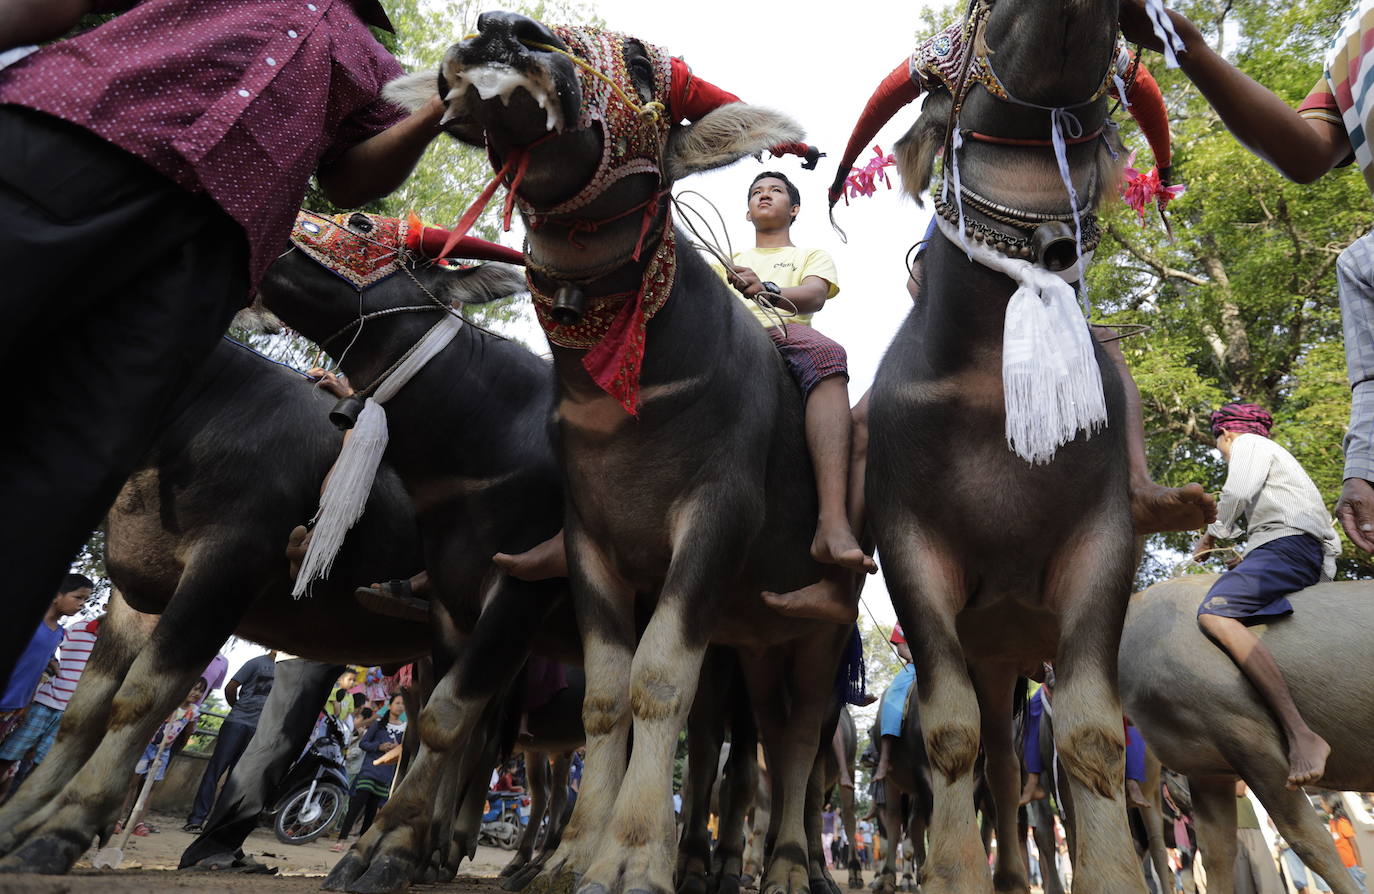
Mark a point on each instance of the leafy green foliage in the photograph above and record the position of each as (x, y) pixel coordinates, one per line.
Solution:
(1242, 301)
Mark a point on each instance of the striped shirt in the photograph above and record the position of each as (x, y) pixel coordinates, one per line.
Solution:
(1267, 485)
(1342, 95)
(77, 642)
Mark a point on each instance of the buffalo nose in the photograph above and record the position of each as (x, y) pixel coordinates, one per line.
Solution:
(516, 28)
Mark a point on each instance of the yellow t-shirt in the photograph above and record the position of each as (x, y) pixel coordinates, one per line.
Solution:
(785, 266)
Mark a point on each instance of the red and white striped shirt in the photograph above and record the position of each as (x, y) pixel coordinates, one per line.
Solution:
(77, 642)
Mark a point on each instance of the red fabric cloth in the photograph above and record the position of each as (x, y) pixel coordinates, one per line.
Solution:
(690, 97)
(896, 636)
(241, 101)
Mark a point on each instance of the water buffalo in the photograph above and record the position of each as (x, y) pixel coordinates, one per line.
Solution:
(995, 562)
(194, 550)
(469, 438)
(684, 454)
(1206, 721)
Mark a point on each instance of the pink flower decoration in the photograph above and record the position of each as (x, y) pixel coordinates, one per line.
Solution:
(1140, 190)
(864, 181)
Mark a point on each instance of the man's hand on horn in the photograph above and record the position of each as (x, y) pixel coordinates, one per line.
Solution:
(1355, 509)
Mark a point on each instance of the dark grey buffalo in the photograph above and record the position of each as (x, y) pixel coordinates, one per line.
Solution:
(195, 551)
(994, 563)
(700, 501)
(470, 440)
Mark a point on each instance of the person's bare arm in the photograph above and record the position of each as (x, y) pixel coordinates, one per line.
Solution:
(378, 165)
(1301, 149)
(23, 22)
(808, 297)
(231, 693)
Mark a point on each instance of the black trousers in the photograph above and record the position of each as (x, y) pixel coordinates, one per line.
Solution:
(114, 284)
(288, 716)
(364, 804)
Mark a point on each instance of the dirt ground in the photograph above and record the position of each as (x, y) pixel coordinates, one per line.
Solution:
(150, 865)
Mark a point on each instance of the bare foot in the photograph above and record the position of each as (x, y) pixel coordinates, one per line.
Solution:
(296, 544)
(1134, 796)
(547, 560)
(829, 599)
(1030, 793)
(1307, 754)
(834, 544)
(1157, 509)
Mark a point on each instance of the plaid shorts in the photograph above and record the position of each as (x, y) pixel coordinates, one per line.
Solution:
(37, 730)
(809, 356)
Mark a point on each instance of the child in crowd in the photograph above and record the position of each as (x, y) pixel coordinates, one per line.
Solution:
(170, 737)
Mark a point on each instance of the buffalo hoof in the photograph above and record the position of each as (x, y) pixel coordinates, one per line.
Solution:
(856, 880)
(561, 880)
(908, 883)
(522, 879)
(517, 863)
(887, 884)
(729, 884)
(694, 883)
(43, 856)
(387, 874)
(344, 872)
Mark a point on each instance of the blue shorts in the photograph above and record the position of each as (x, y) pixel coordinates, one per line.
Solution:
(37, 730)
(893, 708)
(149, 753)
(1257, 589)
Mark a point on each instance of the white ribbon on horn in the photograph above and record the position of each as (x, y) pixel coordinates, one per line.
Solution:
(350, 481)
(1164, 30)
(1050, 378)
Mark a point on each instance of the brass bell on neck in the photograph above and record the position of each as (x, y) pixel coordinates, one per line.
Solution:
(345, 412)
(1054, 246)
(569, 303)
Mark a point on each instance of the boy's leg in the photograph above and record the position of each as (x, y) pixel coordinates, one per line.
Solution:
(546, 560)
(1307, 751)
(835, 596)
(1154, 507)
(827, 437)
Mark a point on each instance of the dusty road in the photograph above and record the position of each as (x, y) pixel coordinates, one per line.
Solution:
(150, 865)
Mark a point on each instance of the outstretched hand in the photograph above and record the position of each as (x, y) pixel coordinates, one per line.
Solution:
(1355, 509)
(1137, 28)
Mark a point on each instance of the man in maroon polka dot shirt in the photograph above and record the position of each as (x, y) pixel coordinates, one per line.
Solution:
(150, 171)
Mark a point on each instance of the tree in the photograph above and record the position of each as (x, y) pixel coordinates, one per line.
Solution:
(1242, 300)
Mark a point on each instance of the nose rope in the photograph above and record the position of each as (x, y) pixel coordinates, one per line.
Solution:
(650, 111)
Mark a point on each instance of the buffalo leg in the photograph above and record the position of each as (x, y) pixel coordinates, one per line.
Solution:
(705, 736)
(1297, 822)
(791, 735)
(202, 614)
(537, 784)
(123, 634)
(605, 611)
(736, 794)
(1214, 816)
(636, 850)
(1089, 585)
(389, 854)
(928, 591)
(1153, 817)
(995, 684)
(288, 717)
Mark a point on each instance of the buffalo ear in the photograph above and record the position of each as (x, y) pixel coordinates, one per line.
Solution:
(257, 318)
(476, 285)
(412, 91)
(724, 136)
(917, 148)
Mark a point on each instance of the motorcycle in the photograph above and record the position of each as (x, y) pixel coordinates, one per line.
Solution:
(314, 793)
(505, 819)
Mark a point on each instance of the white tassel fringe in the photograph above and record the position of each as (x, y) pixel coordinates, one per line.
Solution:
(1051, 381)
(350, 481)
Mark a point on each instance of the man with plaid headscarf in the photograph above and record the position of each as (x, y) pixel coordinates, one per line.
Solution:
(1292, 547)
